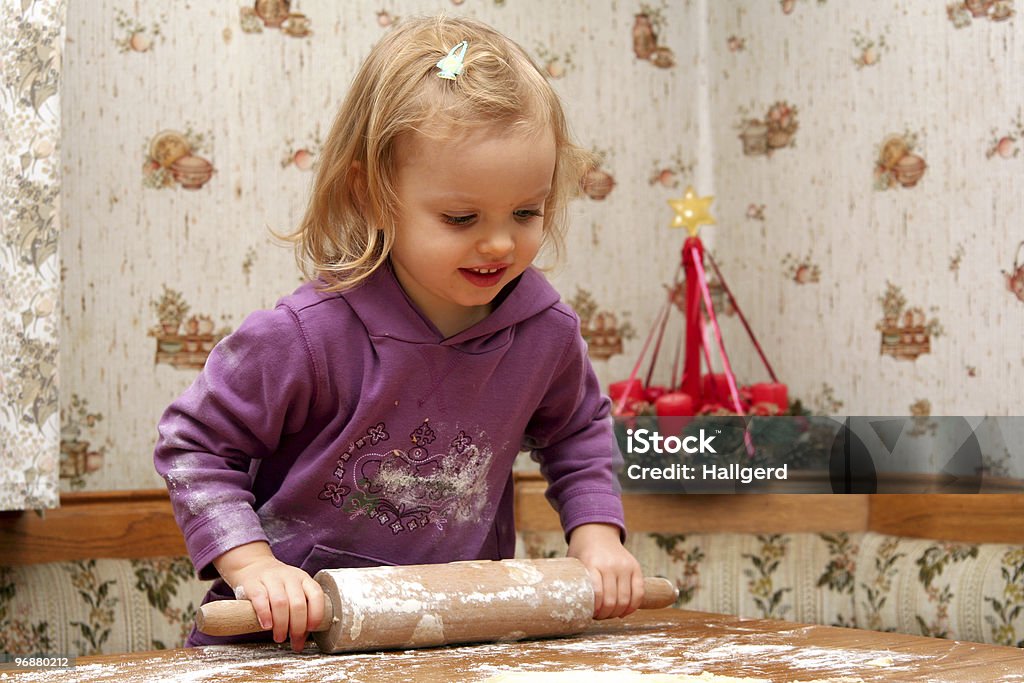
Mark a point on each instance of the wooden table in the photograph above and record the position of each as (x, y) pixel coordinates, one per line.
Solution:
(663, 641)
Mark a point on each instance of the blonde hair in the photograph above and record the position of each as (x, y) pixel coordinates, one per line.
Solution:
(350, 222)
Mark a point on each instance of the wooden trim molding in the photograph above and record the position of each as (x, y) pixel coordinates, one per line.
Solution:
(968, 518)
(707, 513)
(127, 524)
(136, 524)
(965, 518)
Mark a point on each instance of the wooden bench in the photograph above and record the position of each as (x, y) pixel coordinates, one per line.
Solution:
(108, 572)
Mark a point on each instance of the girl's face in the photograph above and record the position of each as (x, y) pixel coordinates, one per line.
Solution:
(469, 218)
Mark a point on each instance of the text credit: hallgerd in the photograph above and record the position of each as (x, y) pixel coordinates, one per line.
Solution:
(641, 441)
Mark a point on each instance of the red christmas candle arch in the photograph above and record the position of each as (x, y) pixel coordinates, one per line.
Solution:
(692, 392)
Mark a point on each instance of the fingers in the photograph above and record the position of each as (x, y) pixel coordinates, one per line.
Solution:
(314, 603)
(610, 594)
(256, 593)
(297, 614)
(288, 607)
(289, 611)
(625, 596)
(280, 607)
(598, 582)
(637, 592)
(287, 601)
(617, 591)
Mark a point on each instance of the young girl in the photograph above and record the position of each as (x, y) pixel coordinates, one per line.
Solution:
(373, 416)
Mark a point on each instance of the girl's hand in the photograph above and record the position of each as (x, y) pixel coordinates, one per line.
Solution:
(616, 575)
(286, 599)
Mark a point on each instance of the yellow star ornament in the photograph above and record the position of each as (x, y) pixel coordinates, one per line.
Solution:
(691, 211)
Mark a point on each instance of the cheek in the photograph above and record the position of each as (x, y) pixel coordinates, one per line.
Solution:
(411, 253)
(534, 239)
(414, 239)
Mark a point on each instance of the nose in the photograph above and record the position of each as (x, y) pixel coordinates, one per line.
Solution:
(496, 242)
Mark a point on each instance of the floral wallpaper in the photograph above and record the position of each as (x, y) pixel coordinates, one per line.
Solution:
(31, 39)
(871, 196)
(864, 158)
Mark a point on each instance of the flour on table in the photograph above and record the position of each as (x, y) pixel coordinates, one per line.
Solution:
(630, 676)
(619, 676)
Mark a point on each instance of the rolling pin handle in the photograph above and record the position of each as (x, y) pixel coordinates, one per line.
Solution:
(658, 593)
(237, 617)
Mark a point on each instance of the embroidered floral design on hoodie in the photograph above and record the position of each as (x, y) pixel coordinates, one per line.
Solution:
(407, 489)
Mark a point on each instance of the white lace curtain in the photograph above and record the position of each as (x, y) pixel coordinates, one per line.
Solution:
(31, 40)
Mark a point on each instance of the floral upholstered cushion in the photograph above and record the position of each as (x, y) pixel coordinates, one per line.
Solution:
(867, 580)
(800, 577)
(963, 591)
(97, 606)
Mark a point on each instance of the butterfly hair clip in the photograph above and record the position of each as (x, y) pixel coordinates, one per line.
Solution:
(451, 64)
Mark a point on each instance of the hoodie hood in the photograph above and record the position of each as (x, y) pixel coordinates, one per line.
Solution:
(387, 311)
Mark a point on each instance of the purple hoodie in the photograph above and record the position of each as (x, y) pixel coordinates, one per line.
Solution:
(343, 429)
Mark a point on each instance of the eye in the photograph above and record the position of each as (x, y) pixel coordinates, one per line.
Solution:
(458, 220)
(527, 214)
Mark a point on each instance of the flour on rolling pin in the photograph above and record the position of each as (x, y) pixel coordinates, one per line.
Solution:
(458, 602)
(411, 606)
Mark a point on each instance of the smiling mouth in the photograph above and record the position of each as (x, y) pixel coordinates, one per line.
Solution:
(484, 277)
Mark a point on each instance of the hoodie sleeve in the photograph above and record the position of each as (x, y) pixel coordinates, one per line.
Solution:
(571, 437)
(258, 384)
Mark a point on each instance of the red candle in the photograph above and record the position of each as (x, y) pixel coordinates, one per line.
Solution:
(675, 404)
(654, 392)
(633, 390)
(770, 392)
(694, 319)
(673, 411)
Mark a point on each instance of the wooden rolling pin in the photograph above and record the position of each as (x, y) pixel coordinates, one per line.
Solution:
(438, 604)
